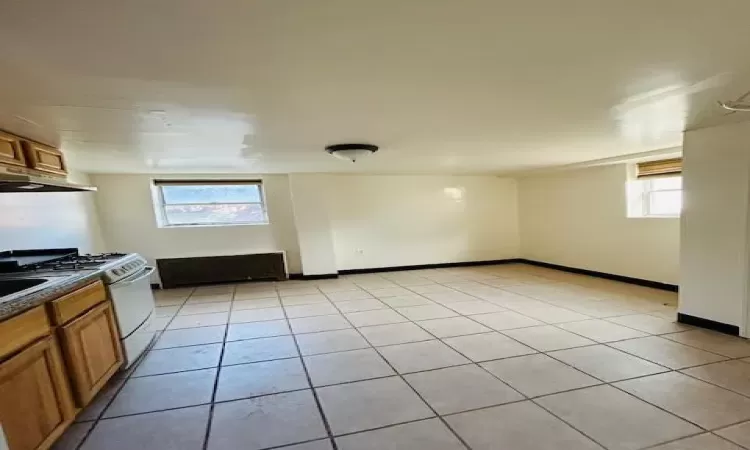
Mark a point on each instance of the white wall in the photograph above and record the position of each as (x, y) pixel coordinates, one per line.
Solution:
(395, 220)
(309, 194)
(129, 222)
(50, 220)
(578, 218)
(715, 232)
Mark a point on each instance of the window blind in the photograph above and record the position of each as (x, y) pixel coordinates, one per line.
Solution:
(664, 167)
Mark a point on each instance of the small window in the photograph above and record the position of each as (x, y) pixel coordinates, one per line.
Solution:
(209, 203)
(656, 190)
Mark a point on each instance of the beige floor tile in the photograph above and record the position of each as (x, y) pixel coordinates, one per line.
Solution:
(256, 315)
(535, 375)
(294, 300)
(615, 419)
(426, 312)
(323, 444)
(212, 298)
(166, 311)
(487, 346)
(518, 426)
(330, 341)
(348, 295)
(430, 288)
(73, 436)
(445, 298)
(601, 330)
(311, 310)
(452, 326)
(551, 314)
(398, 333)
(547, 338)
(700, 442)
(169, 301)
(319, 323)
(268, 421)
(667, 353)
(389, 292)
(369, 304)
(419, 356)
(606, 363)
(709, 406)
(191, 336)
(731, 346)
(475, 307)
(291, 291)
(365, 405)
(404, 301)
(179, 359)
(204, 308)
(649, 324)
(198, 320)
(253, 330)
(214, 289)
(507, 320)
(461, 388)
(255, 295)
(160, 392)
(260, 303)
(430, 434)
(377, 317)
(732, 375)
(261, 349)
(342, 367)
(179, 429)
(739, 434)
(262, 378)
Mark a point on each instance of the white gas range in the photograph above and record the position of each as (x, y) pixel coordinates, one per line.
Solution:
(127, 278)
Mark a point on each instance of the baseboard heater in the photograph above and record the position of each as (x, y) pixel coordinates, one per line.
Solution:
(175, 272)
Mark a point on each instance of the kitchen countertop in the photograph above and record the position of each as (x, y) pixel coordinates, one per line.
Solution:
(59, 284)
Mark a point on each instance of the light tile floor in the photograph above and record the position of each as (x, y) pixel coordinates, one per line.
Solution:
(494, 357)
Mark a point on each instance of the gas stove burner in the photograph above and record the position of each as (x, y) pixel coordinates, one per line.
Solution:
(78, 262)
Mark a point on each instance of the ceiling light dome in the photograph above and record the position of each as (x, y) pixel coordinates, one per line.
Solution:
(351, 152)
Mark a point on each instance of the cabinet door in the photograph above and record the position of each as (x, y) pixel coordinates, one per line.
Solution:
(45, 158)
(35, 402)
(91, 344)
(11, 152)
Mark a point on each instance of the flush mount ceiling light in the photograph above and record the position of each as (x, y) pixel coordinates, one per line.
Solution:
(351, 152)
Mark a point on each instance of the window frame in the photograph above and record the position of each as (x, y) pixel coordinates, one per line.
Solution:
(649, 190)
(163, 217)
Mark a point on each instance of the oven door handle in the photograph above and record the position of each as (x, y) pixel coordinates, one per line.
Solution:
(146, 272)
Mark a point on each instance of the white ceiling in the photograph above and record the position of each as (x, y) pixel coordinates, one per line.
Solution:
(471, 86)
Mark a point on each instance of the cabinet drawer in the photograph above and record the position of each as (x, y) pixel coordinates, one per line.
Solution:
(44, 158)
(19, 331)
(11, 152)
(67, 307)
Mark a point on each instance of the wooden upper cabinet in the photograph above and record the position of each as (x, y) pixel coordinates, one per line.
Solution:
(11, 152)
(35, 402)
(44, 158)
(91, 345)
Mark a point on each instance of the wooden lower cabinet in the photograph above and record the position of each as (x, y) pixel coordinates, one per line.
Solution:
(36, 404)
(91, 345)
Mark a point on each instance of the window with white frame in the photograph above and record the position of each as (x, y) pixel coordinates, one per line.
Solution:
(657, 189)
(209, 203)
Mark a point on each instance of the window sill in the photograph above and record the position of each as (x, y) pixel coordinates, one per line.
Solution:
(214, 225)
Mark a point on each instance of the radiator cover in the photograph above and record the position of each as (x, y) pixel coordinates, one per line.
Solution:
(175, 272)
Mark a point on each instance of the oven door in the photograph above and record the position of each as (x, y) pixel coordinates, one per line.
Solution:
(133, 300)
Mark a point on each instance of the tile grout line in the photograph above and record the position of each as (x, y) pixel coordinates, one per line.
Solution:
(212, 405)
(314, 393)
